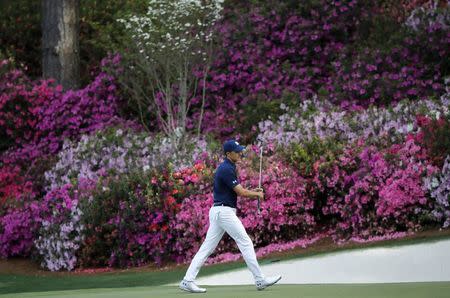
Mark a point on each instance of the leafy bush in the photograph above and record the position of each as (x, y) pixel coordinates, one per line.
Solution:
(305, 155)
(43, 116)
(439, 187)
(128, 219)
(20, 34)
(121, 151)
(61, 231)
(435, 136)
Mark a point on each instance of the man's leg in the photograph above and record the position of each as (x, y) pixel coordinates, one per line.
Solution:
(233, 226)
(213, 236)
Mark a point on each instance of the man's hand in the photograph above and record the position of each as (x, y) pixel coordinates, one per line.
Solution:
(260, 192)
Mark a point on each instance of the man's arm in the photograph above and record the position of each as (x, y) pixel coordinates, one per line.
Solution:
(248, 193)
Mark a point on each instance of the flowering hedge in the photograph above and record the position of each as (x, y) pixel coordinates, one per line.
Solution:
(38, 117)
(367, 187)
(268, 55)
(128, 219)
(82, 187)
(119, 151)
(285, 214)
(60, 233)
(320, 118)
(18, 214)
(368, 191)
(18, 229)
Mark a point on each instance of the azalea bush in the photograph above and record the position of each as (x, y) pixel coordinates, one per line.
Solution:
(373, 182)
(120, 151)
(287, 210)
(267, 54)
(372, 192)
(20, 100)
(44, 116)
(316, 118)
(355, 134)
(60, 233)
(129, 220)
(19, 213)
(38, 118)
(304, 156)
(435, 136)
(19, 226)
(438, 185)
(12, 186)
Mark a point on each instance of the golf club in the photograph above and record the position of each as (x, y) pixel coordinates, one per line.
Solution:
(260, 177)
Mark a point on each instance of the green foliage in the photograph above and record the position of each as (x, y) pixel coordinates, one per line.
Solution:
(20, 32)
(261, 109)
(302, 8)
(113, 198)
(303, 156)
(436, 137)
(380, 32)
(99, 31)
(255, 112)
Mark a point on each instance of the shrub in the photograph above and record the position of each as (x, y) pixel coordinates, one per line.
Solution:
(438, 185)
(305, 155)
(61, 231)
(435, 136)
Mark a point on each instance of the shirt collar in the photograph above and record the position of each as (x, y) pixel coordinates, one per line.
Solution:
(229, 162)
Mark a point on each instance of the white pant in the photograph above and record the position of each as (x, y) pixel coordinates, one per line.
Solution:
(223, 219)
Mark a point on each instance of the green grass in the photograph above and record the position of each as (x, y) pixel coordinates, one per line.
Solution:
(150, 283)
(31, 283)
(407, 290)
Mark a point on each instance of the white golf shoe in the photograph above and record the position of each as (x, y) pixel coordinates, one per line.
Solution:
(190, 286)
(267, 282)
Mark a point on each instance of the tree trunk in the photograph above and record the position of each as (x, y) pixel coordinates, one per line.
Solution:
(60, 42)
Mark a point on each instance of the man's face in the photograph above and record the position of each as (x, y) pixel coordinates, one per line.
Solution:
(235, 156)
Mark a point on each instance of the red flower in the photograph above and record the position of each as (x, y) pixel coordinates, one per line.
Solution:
(194, 178)
(153, 227)
(170, 200)
(423, 120)
(199, 167)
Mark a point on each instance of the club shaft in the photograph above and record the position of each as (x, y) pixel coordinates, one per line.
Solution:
(260, 167)
(260, 176)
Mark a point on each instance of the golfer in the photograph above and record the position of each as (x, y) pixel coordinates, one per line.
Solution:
(222, 218)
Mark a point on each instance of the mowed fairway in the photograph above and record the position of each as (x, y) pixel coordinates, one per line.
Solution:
(407, 290)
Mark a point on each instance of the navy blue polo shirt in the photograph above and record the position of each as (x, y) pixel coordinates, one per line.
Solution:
(225, 179)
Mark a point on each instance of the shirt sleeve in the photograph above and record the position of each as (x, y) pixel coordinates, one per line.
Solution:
(229, 178)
